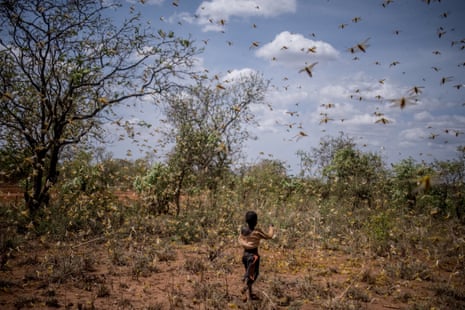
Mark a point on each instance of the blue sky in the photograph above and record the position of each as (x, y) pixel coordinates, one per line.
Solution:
(371, 55)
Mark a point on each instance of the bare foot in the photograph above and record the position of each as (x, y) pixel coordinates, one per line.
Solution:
(244, 294)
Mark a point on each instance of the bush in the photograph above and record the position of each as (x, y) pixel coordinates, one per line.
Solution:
(378, 228)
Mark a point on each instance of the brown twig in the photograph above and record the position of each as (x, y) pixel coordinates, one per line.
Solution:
(87, 242)
(269, 299)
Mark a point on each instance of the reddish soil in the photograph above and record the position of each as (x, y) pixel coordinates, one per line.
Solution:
(10, 193)
(140, 271)
(97, 275)
(14, 193)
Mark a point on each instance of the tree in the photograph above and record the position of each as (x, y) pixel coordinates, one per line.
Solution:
(265, 182)
(404, 182)
(64, 65)
(314, 162)
(355, 175)
(346, 171)
(157, 188)
(208, 127)
(447, 185)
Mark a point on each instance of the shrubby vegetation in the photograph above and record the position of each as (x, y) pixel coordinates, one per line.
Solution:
(353, 203)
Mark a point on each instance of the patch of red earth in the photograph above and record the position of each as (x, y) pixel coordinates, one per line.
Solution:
(126, 195)
(10, 193)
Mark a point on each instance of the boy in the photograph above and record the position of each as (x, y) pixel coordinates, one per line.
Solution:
(249, 239)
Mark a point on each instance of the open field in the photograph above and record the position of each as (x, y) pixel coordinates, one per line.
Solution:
(134, 273)
(144, 266)
(123, 257)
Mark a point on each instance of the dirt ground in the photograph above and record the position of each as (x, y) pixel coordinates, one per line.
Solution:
(141, 271)
(134, 274)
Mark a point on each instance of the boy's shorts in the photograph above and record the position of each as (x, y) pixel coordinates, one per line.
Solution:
(251, 263)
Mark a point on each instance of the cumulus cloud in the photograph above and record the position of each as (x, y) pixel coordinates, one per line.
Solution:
(334, 93)
(423, 116)
(269, 120)
(361, 119)
(211, 13)
(294, 49)
(238, 74)
(284, 99)
(412, 135)
(277, 113)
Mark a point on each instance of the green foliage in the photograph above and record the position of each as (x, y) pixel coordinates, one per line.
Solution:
(354, 175)
(84, 198)
(313, 163)
(415, 244)
(12, 168)
(404, 182)
(378, 228)
(265, 184)
(80, 175)
(449, 186)
(157, 188)
(436, 188)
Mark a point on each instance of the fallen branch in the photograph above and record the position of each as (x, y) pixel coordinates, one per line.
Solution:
(344, 292)
(268, 297)
(87, 242)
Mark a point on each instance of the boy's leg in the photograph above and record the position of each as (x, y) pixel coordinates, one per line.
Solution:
(251, 264)
(244, 293)
(251, 295)
(245, 289)
(256, 267)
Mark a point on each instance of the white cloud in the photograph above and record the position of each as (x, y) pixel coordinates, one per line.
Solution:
(276, 113)
(334, 94)
(294, 49)
(183, 16)
(149, 2)
(210, 13)
(423, 116)
(284, 99)
(238, 74)
(268, 120)
(361, 119)
(412, 135)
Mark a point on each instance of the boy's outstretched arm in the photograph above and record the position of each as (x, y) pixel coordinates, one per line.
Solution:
(271, 231)
(267, 235)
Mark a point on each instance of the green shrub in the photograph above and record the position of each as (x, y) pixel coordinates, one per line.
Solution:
(378, 228)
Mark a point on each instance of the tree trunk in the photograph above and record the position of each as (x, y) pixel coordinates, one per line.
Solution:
(177, 193)
(36, 197)
(39, 195)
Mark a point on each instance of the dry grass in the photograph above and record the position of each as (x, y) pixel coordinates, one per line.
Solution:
(322, 257)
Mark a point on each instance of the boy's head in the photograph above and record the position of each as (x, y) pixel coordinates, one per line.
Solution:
(251, 219)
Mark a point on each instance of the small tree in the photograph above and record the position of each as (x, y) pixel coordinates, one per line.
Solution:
(157, 188)
(314, 162)
(264, 183)
(63, 64)
(208, 127)
(355, 175)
